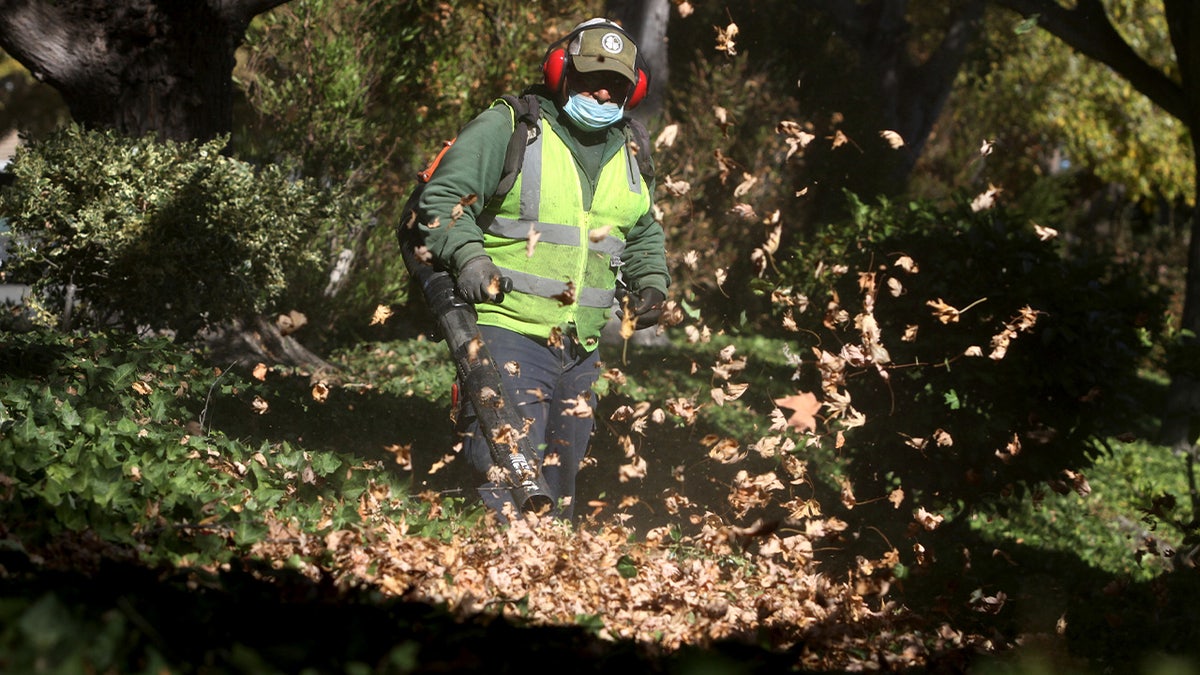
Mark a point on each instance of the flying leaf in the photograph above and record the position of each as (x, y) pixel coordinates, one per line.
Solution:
(928, 521)
(1045, 233)
(403, 455)
(579, 406)
(683, 408)
(944, 312)
(797, 138)
(894, 140)
(986, 199)
(567, 297)
(381, 315)
(726, 451)
(632, 470)
(907, 264)
(804, 407)
(725, 39)
(676, 188)
(291, 322)
(748, 181)
(666, 137)
(531, 241)
(773, 237)
(743, 211)
(259, 405)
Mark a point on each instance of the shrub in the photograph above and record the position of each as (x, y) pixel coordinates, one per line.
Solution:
(154, 234)
(108, 435)
(980, 360)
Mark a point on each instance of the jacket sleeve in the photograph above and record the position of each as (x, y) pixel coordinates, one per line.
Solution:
(467, 176)
(645, 255)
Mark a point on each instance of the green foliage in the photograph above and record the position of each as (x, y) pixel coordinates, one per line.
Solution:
(109, 435)
(1078, 129)
(1035, 411)
(160, 235)
(1106, 527)
(381, 86)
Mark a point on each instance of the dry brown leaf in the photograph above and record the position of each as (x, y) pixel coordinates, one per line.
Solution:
(804, 407)
(894, 140)
(986, 199)
(402, 455)
(1045, 233)
(531, 241)
(928, 521)
(748, 182)
(726, 451)
(666, 137)
(579, 406)
(676, 188)
(567, 297)
(259, 405)
(725, 42)
(944, 312)
(381, 315)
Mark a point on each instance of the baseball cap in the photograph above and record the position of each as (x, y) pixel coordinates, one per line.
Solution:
(600, 45)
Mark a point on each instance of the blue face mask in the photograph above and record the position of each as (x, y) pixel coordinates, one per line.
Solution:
(590, 115)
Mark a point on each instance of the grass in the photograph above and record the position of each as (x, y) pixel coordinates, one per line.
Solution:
(407, 383)
(1108, 527)
(1068, 565)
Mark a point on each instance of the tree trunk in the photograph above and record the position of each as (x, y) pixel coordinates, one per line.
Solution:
(647, 22)
(911, 93)
(135, 66)
(149, 66)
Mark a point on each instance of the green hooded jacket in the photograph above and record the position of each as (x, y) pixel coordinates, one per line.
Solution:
(455, 210)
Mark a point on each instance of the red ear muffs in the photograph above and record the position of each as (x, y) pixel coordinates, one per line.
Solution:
(554, 67)
(639, 89)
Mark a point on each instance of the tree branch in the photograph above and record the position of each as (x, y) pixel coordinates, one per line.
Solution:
(41, 38)
(1087, 30)
(245, 10)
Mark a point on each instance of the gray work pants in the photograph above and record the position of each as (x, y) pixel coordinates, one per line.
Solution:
(546, 385)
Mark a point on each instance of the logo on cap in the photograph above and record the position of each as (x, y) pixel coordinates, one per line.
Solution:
(612, 43)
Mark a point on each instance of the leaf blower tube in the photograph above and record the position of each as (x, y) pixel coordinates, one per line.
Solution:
(501, 425)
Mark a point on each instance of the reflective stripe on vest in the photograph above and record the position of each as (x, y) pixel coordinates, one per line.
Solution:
(604, 250)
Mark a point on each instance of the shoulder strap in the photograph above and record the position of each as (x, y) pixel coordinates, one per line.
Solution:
(641, 140)
(525, 128)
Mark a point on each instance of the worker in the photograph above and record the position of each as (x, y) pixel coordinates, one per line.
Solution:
(577, 225)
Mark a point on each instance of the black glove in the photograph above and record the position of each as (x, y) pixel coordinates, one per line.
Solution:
(480, 280)
(647, 306)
